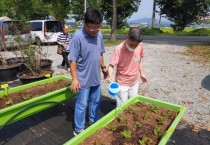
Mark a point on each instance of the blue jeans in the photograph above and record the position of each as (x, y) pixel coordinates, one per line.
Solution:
(88, 96)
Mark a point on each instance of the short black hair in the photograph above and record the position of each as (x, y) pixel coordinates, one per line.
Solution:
(93, 16)
(135, 34)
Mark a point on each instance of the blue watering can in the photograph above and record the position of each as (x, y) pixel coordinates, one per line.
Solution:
(113, 90)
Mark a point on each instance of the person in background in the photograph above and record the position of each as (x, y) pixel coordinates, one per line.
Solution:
(63, 40)
(127, 57)
(86, 60)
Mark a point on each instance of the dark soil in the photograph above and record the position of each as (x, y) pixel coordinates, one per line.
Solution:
(140, 123)
(30, 75)
(32, 92)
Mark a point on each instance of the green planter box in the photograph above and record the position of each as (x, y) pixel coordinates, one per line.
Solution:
(32, 106)
(111, 116)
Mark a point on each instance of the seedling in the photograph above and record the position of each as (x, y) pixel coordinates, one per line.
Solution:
(138, 124)
(146, 116)
(145, 141)
(157, 131)
(132, 111)
(168, 113)
(122, 120)
(27, 97)
(153, 109)
(111, 127)
(126, 134)
(160, 120)
(139, 104)
(9, 101)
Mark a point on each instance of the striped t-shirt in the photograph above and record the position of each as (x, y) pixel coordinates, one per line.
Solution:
(64, 39)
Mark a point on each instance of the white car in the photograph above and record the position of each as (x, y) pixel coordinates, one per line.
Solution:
(10, 30)
(45, 31)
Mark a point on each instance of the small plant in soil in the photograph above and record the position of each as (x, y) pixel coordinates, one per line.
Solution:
(153, 109)
(157, 131)
(27, 97)
(146, 116)
(138, 124)
(145, 141)
(167, 113)
(139, 104)
(160, 120)
(122, 120)
(132, 111)
(111, 127)
(126, 134)
(9, 101)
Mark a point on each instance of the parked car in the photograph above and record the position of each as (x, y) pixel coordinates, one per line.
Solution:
(45, 31)
(9, 31)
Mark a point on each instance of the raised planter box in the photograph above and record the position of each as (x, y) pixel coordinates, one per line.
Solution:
(34, 105)
(112, 115)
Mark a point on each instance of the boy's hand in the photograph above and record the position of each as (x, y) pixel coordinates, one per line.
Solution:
(105, 73)
(143, 79)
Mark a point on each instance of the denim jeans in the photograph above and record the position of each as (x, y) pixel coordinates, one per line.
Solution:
(90, 97)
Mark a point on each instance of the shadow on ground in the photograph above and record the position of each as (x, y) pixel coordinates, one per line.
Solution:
(205, 83)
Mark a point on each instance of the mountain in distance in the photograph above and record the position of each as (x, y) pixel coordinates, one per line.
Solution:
(149, 21)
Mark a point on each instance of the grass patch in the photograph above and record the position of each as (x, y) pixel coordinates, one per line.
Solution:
(109, 42)
(201, 52)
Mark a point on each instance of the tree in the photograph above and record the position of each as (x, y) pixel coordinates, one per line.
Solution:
(59, 9)
(77, 8)
(114, 20)
(125, 8)
(183, 12)
(153, 13)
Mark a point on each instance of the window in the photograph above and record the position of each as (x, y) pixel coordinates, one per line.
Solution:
(53, 26)
(36, 26)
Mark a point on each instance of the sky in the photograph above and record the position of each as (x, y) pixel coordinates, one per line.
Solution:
(144, 11)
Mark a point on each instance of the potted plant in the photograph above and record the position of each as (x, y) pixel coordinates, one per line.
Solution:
(141, 120)
(8, 68)
(34, 64)
(25, 100)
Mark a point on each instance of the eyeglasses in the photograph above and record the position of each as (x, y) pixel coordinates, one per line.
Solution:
(93, 29)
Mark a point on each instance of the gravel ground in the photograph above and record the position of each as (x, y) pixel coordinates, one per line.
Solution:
(173, 78)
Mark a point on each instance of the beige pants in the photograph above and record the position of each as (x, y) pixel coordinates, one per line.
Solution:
(127, 92)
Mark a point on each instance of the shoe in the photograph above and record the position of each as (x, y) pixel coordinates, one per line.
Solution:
(90, 123)
(68, 69)
(77, 132)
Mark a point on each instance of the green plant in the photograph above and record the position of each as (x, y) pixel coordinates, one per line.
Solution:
(9, 101)
(138, 124)
(146, 116)
(157, 131)
(122, 120)
(126, 134)
(153, 108)
(145, 141)
(132, 111)
(160, 120)
(168, 113)
(27, 97)
(139, 104)
(111, 127)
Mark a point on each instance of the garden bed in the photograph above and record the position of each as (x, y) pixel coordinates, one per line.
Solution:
(29, 99)
(143, 121)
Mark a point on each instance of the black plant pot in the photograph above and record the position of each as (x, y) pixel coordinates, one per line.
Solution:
(46, 63)
(9, 73)
(25, 79)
